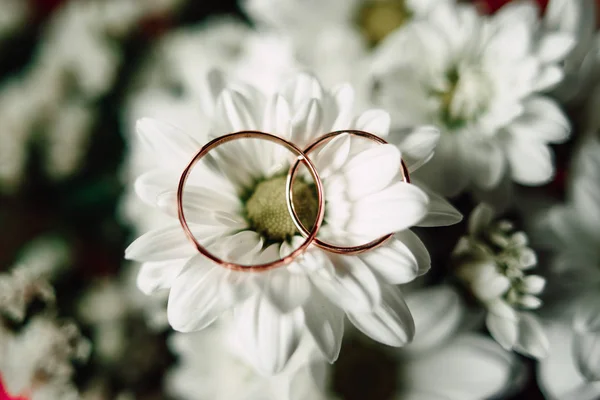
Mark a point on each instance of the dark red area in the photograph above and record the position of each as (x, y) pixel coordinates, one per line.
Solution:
(491, 6)
(43, 8)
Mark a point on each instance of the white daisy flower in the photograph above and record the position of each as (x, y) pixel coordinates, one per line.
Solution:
(248, 214)
(210, 368)
(492, 261)
(481, 80)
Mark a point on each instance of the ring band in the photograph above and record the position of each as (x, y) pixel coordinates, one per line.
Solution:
(348, 250)
(310, 236)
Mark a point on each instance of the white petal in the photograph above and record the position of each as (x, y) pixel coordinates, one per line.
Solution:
(344, 99)
(481, 217)
(449, 371)
(586, 349)
(268, 337)
(286, 291)
(374, 121)
(440, 212)
(390, 323)
(532, 340)
(150, 185)
(371, 170)
(542, 120)
(162, 244)
(332, 156)
(157, 275)
(400, 260)
(549, 77)
(325, 322)
(486, 162)
(277, 119)
(172, 147)
(529, 302)
(503, 330)
(242, 248)
(393, 209)
(558, 375)
(438, 313)
(350, 284)
(555, 46)
(534, 284)
(205, 206)
(531, 162)
(194, 301)
(417, 145)
(307, 123)
(235, 111)
(301, 89)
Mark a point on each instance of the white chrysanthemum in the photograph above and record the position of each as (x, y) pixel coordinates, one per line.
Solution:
(209, 368)
(37, 362)
(366, 199)
(481, 80)
(372, 19)
(582, 64)
(571, 232)
(492, 261)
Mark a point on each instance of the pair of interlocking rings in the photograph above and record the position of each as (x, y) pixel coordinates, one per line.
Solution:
(301, 157)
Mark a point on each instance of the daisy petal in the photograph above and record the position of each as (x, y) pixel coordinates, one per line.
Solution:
(393, 209)
(162, 244)
(531, 162)
(417, 145)
(350, 284)
(400, 260)
(531, 340)
(390, 323)
(440, 212)
(194, 301)
(438, 313)
(268, 337)
(486, 162)
(374, 121)
(503, 330)
(554, 47)
(586, 349)
(286, 291)
(172, 147)
(151, 184)
(455, 365)
(371, 170)
(157, 275)
(235, 111)
(325, 322)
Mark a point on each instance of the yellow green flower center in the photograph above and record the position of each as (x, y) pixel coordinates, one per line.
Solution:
(378, 18)
(267, 212)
